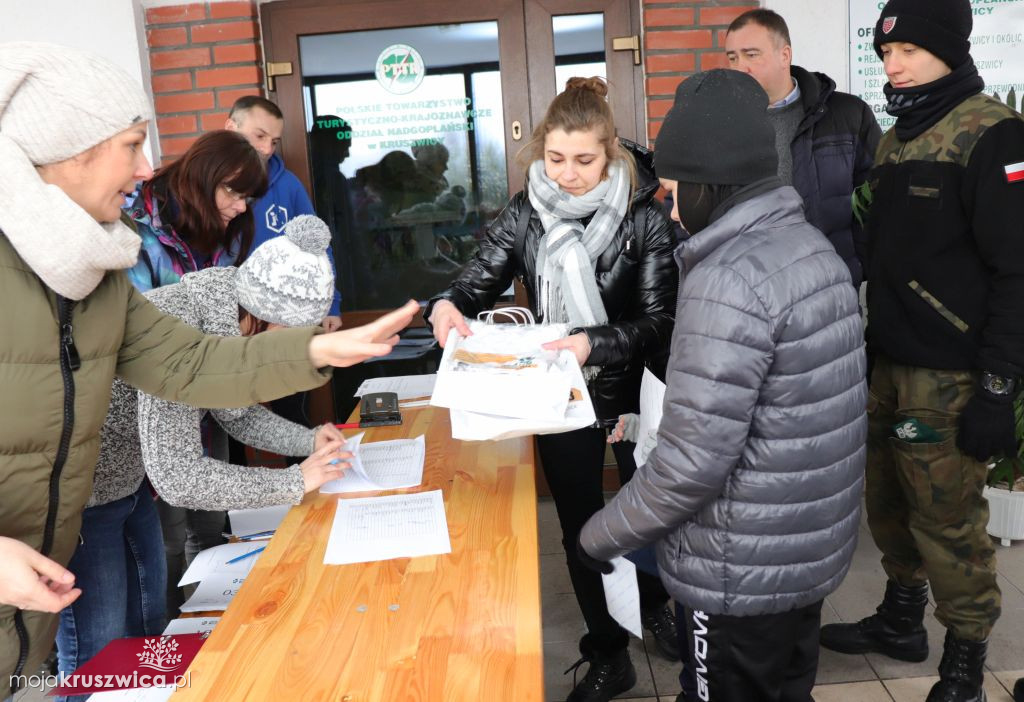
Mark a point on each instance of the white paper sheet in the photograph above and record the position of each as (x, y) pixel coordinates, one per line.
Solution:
(622, 593)
(251, 521)
(191, 625)
(217, 589)
(215, 560)
(405, 386)
(369, 529)
(652, 401)
(381, 465)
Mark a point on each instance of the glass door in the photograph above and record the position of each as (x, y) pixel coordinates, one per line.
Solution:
(407, 153)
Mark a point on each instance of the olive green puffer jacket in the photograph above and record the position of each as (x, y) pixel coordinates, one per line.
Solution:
(54, 393)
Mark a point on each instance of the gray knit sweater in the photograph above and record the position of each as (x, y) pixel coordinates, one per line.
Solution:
(144, 434)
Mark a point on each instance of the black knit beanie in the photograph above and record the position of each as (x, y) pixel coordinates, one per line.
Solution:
(717, 132)
(942, 27)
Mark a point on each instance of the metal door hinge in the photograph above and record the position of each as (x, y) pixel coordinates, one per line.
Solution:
(272, 69)
(630, 43)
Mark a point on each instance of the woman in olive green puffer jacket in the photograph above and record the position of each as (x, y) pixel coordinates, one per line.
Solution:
(72, 128)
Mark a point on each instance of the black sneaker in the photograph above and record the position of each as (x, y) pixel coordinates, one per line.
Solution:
(662, 625)
(610, 674)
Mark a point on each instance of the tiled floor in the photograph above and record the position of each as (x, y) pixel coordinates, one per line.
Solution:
(841, 678)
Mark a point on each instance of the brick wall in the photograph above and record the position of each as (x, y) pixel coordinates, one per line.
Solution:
(203, 57)
(682, 37)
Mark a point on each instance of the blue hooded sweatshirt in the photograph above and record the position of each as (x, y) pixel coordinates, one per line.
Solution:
(285, 198)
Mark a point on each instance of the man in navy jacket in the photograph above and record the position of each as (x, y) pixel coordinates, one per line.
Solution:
(826, 140)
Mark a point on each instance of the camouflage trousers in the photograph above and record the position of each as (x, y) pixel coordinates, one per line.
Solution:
(924, 498)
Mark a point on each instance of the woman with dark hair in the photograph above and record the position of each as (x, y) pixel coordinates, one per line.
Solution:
(194, 213)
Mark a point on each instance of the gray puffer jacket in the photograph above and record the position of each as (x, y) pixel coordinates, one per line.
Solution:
(143, 433)
(753, 490)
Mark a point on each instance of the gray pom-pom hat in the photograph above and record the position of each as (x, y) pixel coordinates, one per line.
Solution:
(288, 280)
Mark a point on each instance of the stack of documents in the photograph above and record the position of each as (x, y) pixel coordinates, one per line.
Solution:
(381, 465)
(220, 573)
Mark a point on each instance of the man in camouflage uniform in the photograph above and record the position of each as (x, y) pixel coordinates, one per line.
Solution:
(946, 334)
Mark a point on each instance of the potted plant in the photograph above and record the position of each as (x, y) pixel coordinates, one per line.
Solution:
(1005, 489)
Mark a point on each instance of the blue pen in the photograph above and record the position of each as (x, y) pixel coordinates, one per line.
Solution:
(236, 559)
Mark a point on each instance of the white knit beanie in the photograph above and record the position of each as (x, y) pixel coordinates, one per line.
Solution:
(289, 280)
(56, 102)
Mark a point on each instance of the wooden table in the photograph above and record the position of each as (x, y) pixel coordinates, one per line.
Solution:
(462, 626)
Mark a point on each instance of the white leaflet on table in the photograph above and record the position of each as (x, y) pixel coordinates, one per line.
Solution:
(367, 529)
(217, 589)
(405, 386)
(622, 593)
(382, 465)
(191, 625)
(138, 694)
(652, 402)
(215, 560)
(252, 521)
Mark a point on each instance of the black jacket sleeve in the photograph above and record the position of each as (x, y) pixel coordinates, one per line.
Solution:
(997, 217)
(868, 137)
(490, 272)
(649, 329)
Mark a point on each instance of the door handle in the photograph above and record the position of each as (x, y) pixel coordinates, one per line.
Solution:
(630, 43)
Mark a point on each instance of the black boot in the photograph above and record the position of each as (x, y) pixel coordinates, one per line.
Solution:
(662, 625)
(1018, 691)
(961, 671)
(895, 630)
(610, 674)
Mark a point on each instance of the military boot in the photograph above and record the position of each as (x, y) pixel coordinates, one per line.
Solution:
(895, 630)
(1018, 691)
(961, 671)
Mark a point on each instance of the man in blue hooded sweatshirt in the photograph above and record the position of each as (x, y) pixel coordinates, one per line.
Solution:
(262, 123)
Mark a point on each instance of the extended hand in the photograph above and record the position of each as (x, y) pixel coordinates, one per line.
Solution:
(30, 580)
(579, 344)
(445, 316)
(326, 433)
(331, 323)
(325, 464)
(352, 346)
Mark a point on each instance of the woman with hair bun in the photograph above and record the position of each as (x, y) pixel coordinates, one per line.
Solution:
(596, 253)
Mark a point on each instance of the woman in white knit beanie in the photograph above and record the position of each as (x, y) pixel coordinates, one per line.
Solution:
(72, 126)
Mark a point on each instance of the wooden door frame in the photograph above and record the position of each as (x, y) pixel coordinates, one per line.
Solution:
(626, 93)
(284, 21)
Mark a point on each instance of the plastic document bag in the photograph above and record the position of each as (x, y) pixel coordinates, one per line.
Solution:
(499, 383)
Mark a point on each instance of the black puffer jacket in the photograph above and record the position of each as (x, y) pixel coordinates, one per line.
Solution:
(833, 151)
(636, 274)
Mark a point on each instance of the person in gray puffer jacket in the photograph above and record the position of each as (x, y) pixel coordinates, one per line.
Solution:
(753, 490)
(120, 560)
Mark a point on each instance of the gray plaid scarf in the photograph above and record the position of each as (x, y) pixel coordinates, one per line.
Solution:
(568, 253)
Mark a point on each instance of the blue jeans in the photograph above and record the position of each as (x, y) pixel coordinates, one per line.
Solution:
(120, 566)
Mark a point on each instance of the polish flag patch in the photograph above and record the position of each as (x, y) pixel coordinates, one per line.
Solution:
(1015, 172)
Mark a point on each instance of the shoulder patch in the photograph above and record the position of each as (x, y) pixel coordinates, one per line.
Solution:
(1014, 172)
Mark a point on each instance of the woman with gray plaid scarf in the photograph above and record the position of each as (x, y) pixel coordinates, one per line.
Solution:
(595, 251)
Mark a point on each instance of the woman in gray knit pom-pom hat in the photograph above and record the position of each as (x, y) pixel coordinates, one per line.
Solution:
(286, 282)
(72, 127)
